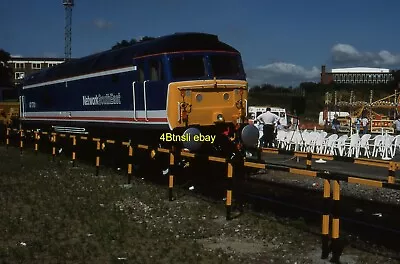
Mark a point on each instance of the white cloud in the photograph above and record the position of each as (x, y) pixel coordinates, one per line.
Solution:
(282, 73)
(345, 54)
(102, 23)
(288, 74)
(16, 56)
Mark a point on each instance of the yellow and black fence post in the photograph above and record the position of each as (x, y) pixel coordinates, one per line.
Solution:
(229, 192)
(392, 172)
(335, 246)
(130, 155)
(98, 149)
(325, 220)
(171, 173)
(21, 142)
(73, 150)
(36, 142)
(7, 137)
(53, 141)
(309, 160)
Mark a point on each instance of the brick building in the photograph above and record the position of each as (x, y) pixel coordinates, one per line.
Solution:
(356, 75)
(25, 66)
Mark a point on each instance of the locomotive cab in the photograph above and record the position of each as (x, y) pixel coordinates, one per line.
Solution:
(206, 90)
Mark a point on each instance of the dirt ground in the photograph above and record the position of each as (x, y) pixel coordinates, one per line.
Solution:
(54, 213)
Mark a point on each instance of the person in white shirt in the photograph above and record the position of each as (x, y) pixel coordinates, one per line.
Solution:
(397, 125)
(269, 120)
(358, 125)
(364, 122)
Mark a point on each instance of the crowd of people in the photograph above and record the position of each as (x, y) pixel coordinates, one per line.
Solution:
(364, 123)
(359, 122)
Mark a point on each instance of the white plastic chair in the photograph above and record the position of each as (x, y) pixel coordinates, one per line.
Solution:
(395, 145)
(288, 139)
(353, 146)
(312, 140)
(329, 144)
(307, 141)
(319, 144)
(386, 147)
(364, 144)
(339, 146)
(296, 141)
(280, 137)
(378, 142)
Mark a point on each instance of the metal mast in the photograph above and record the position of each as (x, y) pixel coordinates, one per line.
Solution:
(68, 4)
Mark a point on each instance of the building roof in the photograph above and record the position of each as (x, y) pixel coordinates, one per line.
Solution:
(360, 70)
(34, 59)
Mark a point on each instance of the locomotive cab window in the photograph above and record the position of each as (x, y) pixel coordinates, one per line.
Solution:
(225, 65)
(188, 66)
(156, 70)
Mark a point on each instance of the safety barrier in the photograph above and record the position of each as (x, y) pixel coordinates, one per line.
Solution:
(392, 166)
(233, 167)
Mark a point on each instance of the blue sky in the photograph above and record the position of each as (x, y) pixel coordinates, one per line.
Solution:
(282, 42)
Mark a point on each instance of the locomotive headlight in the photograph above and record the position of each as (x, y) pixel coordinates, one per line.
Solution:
(220, 118)
(199, 98)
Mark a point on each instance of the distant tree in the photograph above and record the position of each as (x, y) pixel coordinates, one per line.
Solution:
(396, 79)
(5, 71)
(125, 43)
(254, 89)
(310, 87)
(146, 38)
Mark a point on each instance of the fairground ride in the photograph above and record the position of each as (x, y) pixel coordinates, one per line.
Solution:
(380, 113)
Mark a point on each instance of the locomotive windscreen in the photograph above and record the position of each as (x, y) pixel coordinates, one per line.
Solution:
(197, 66)
(225, 65)
(187, 66)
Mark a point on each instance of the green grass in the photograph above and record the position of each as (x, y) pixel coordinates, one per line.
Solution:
(67, 215)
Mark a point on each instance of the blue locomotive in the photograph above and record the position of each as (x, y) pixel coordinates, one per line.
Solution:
(139, 92)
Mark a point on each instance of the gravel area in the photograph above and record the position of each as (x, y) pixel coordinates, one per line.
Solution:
(360, 191)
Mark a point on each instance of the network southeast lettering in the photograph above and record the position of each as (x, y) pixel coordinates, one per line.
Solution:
(108, 99)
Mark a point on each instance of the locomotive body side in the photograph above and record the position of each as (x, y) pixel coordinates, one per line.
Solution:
(89, 101)
(144, 90)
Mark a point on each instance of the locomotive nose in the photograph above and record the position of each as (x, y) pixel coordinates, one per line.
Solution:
(250, 135)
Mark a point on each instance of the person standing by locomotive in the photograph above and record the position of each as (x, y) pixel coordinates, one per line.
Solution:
(269, 120)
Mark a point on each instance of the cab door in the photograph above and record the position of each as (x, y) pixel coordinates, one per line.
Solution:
(149, 89)
(155, 88)
(138, 90)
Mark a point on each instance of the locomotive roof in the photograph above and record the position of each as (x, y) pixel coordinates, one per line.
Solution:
(112, 59)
